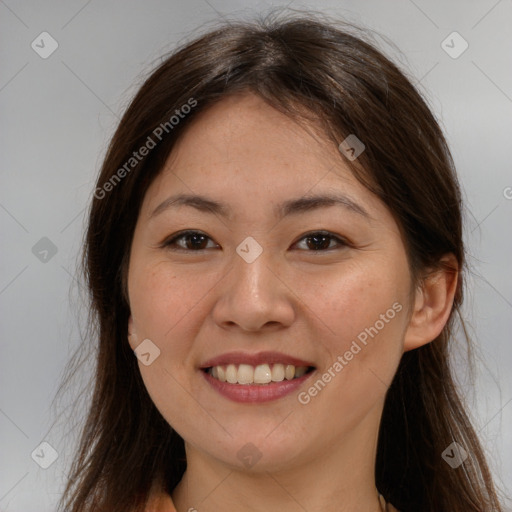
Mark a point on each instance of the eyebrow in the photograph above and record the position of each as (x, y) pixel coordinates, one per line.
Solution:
(290, 207)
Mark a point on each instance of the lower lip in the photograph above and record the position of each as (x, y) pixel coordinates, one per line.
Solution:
(256, 393)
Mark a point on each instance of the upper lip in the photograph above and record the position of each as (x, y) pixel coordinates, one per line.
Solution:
(254, 359)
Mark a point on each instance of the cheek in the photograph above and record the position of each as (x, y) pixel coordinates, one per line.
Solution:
(165, 304)
(162, 298)
(347, 302)
(361, 316)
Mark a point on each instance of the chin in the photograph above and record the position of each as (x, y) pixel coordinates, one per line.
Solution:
(258, 452)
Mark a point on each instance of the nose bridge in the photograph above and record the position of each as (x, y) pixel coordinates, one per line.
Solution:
(252, 274)
(252, 295)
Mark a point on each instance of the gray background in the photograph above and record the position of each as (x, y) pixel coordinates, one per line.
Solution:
(58, 114)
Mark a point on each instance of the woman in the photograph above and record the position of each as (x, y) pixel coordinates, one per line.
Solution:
(275, 260)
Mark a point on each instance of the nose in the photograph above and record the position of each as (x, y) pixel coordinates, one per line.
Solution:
(254, 297)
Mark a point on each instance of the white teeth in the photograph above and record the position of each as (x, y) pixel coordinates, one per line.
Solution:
(245, 374)
(261, 374)
(277, 373)
(231, 374)
(221, 373)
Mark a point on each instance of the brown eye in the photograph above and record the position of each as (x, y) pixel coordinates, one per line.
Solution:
(321, 241)
(189, 241)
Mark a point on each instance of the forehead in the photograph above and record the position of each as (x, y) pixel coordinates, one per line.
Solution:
(243, 131)
(244, 150)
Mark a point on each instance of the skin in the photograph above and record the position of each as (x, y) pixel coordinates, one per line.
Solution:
(306, 303)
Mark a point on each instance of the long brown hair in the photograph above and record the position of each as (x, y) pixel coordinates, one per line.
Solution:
(313, 71)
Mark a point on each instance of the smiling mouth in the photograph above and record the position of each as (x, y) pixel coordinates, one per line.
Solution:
(261, 374)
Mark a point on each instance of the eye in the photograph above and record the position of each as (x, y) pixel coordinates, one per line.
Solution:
(192, 240)
(189, 240)
(321, 241)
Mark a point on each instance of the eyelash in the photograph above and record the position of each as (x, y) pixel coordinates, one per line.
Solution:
(170, 242)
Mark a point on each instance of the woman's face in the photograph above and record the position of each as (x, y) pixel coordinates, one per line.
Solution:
(271, 281)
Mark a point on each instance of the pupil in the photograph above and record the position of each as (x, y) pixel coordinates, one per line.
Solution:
(319, 242)
(197, 241)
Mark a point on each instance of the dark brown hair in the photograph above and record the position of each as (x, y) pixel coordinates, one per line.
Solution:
(314, 71)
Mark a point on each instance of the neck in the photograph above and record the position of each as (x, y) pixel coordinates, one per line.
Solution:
(338, 479)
